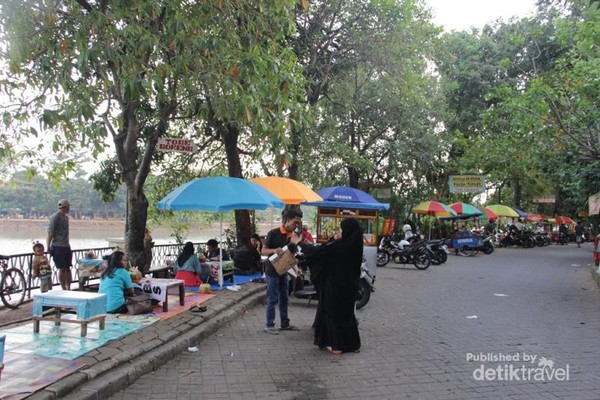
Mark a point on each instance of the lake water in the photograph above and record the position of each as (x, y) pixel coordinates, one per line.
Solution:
(18, 236)
(20, 239)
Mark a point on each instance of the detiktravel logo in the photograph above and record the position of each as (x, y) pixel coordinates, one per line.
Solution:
(516, 367)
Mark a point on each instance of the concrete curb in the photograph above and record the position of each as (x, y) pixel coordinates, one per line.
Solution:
(595, 274)
(105, 378)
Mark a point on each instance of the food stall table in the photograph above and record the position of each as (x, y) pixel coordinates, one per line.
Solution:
(89, 307)
(158, 289)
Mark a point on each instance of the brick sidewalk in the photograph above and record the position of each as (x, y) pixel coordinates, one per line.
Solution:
(417, 334)
(115, 366)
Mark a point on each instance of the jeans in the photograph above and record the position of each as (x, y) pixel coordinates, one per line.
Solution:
(277, 292)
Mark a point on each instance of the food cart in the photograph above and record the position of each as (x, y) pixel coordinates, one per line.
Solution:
(344, 202)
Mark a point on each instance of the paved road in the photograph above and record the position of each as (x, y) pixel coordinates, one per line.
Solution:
(417, 333)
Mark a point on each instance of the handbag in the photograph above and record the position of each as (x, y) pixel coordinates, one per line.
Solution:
(283, 263)
(139, 304)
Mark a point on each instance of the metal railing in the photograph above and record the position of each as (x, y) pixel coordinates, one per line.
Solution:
(161, 253)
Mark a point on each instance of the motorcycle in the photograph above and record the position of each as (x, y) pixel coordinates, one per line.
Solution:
(541, 239)
(386, 248)
(438, 251)
(562, 239)
(514, 238)
(415, 254)
(487, 246)
(403, 252)
(366, 284)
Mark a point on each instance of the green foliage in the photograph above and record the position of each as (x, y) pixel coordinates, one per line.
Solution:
(373, 102)
(107, 180)
(339, 93)
(524, 96)
(34, 196)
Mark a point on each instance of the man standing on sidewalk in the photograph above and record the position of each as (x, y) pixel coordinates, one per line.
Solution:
(57, 243)
(277, 286)
(579, 233)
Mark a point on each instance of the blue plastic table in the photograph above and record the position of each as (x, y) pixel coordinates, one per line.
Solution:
(90, 307)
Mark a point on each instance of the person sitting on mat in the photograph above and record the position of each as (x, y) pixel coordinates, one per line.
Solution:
(188, 267)
(115, 283)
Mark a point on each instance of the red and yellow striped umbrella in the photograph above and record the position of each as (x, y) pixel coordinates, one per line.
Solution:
(464, 209)
(489, 213)
(433, 208)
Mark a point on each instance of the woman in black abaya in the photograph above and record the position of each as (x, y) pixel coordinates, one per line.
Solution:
(335, 270)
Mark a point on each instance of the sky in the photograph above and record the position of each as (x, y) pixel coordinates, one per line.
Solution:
(463, 14)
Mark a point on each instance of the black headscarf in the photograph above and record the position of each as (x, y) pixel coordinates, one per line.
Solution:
(349, 247)
(352, 233)
(186, 253)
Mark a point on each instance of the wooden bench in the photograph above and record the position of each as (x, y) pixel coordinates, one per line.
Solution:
(89, 307)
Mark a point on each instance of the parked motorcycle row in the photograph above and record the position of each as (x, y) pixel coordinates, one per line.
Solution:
(527, 239)
(420, 253)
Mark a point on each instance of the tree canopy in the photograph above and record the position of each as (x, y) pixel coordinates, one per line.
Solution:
(367, 93)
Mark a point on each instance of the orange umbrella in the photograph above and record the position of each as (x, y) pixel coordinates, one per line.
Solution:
(287, 190)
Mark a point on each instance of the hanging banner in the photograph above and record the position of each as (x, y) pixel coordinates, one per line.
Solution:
(544, 201)
(466, 183)
(594, 204)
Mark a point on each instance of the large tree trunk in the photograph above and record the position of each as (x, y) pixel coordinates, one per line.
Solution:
(137, 204)
(352, 177)
(134, 176)
(295, 147)
(518, 191)
(243, 226)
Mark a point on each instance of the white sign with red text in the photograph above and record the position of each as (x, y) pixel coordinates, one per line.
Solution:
(178, 145)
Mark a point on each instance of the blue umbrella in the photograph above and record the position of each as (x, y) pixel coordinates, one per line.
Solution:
(522, 214)
(218, 194)
(345, 196)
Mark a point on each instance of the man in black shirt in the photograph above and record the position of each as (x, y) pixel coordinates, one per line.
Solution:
(277, 286)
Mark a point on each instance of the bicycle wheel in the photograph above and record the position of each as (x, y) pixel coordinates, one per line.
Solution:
(12, 288)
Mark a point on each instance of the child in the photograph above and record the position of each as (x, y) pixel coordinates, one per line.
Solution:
(90, 266)
(41, 268)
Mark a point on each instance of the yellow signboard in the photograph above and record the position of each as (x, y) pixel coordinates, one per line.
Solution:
(467, 183)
